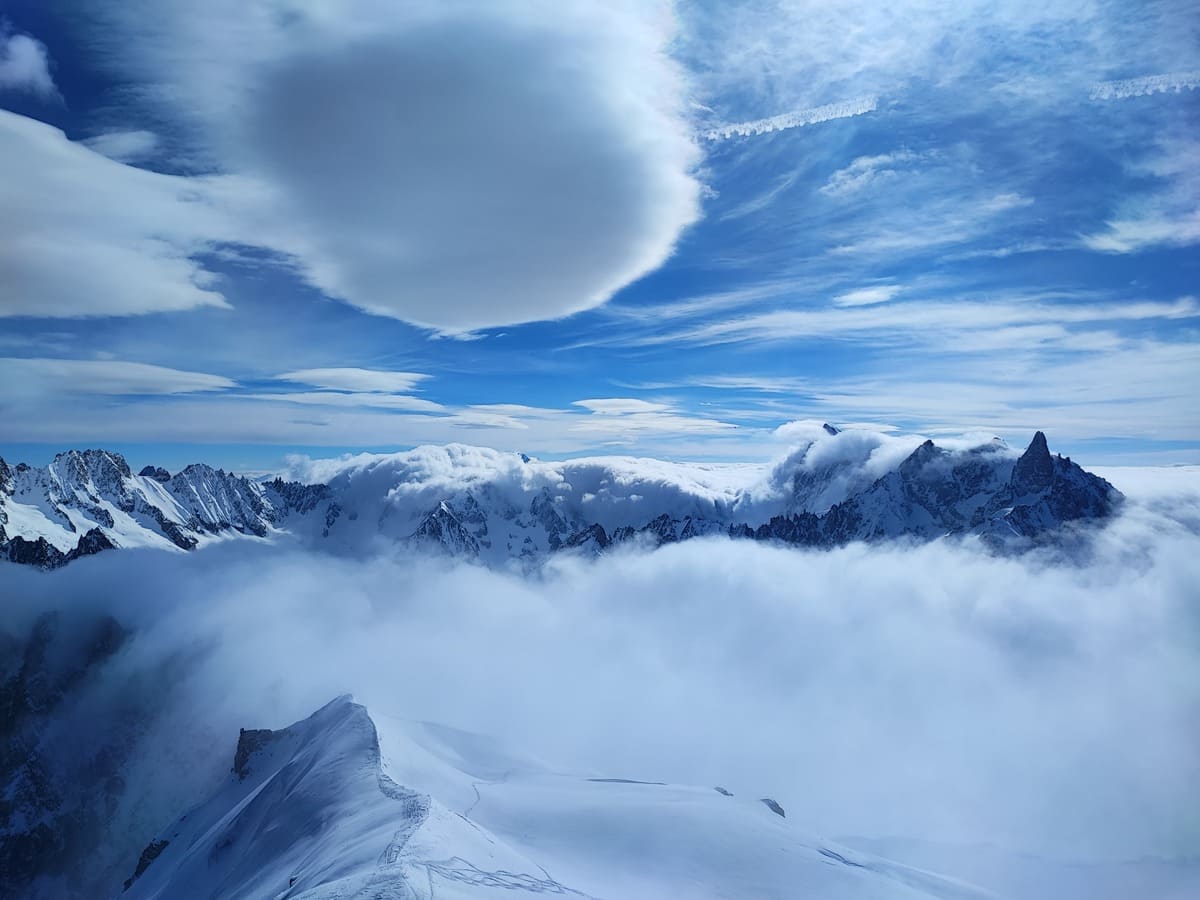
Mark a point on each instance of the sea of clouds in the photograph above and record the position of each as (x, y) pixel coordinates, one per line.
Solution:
(933, 692)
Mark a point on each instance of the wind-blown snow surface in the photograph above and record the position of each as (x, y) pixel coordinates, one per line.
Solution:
(484, 822)
(933, 695)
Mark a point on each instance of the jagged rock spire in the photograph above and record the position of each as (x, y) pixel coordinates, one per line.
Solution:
(1035, 469)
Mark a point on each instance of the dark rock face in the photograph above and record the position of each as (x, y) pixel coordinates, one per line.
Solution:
(661, 529)
(332, 513)
(149, 855)
(774, 807)
(220, 501)
(6, 477)
(55, 804)
(40, 553)
(542, 509)
(250, 741)
(44, 555)
(441, 528)
(93, 542)
(301, 498)
(593, 537)
(1034, 471)
(158, 473)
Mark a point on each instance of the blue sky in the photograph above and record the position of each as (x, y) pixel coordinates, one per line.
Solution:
(253, 228)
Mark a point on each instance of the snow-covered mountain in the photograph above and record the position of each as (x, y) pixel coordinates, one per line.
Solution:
(89, 500)
(506, 509)
(350, 804)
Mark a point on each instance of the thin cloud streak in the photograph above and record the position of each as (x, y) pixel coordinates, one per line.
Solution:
(796, 119)
(1123, 89)
(916, 320)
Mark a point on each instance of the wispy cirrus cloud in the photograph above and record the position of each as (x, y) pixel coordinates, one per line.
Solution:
(620, 406)
(365, 399)
(1139, 390)
(947, 220)
(45, 377)
(925, 321)
(1166, 215)
(355, 379)
(624, 419)
(868, 171)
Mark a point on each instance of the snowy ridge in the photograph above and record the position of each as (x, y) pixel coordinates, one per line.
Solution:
(505, 509)
(89, 500)
(347, 804)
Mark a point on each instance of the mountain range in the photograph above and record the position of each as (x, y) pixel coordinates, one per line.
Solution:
(505, 509)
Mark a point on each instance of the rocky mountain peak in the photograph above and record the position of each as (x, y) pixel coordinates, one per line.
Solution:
(919, 458)
(82, 466)
(1034, 470)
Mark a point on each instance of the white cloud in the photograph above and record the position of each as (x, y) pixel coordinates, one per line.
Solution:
(866, 170)
(49, 378)
(766, 384)
(935, 693)
(621, 406)
(867, 296)
(758, 54)
(623, 420)
(124, 146)
(371, 399)
(545, 162)
(24, 65)
(796, 119)
(1139, 389)
(87, 236)
(944, 221)
(925, 321)
(1150, 84)
(352, 379)
(1167, 215)
(1154, 229)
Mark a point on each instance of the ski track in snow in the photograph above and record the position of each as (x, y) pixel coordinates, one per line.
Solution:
(458, 869)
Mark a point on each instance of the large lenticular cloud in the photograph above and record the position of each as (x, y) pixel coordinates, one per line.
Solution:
(452, 165)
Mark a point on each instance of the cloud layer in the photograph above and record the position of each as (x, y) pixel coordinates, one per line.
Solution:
(931, 692)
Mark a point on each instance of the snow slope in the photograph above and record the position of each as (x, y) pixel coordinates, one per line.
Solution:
(345, 804)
